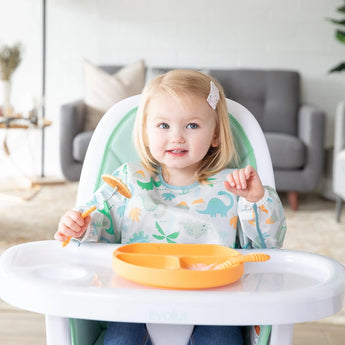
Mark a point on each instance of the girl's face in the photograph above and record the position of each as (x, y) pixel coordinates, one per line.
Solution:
(180, 133)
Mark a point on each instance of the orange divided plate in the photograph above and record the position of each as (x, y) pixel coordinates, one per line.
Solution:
(177, 266)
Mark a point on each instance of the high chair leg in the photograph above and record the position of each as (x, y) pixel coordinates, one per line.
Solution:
(281, 334)
(57, 330)
(165, 334)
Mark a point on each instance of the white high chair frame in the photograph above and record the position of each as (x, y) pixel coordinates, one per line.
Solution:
(292, 287)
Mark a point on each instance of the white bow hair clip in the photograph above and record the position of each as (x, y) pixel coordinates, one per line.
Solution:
(213, 96)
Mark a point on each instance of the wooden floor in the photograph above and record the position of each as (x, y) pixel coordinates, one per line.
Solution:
(20, 327)
(26, 328)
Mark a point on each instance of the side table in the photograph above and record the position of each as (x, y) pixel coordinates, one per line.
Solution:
(10, 123)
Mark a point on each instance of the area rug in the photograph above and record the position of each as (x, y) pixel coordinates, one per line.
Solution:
(37, 218)
(312, 228)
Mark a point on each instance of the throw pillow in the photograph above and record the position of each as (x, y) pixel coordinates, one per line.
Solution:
(103, 90)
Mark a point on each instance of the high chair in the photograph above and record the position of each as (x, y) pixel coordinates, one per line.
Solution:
(111, 146)
(291, 287)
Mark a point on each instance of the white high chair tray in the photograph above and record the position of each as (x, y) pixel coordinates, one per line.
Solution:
(79, 282)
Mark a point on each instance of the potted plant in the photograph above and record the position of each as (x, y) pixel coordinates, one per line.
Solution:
(10, 58)
(339, 35)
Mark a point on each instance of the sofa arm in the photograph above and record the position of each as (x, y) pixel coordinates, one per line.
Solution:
(339, 132)
(311, 130)
(72, 119)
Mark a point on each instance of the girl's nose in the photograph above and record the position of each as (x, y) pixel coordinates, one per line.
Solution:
(177, 137)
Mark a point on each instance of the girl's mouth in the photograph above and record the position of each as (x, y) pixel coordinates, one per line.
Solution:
(177, 152)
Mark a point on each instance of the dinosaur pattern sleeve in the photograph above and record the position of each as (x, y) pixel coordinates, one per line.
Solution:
(102, 227)
(262, 224)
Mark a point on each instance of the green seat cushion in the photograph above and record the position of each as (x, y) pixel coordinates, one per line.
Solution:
(87, 332)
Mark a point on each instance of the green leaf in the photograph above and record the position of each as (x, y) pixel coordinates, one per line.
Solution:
(159, 237)
(338, 68)
(170, 241)
(159, 229)
(173, 235)
(341, 9)
(336, 21)
(340, 36)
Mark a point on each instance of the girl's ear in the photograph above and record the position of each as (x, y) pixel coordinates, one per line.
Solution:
(215, 141)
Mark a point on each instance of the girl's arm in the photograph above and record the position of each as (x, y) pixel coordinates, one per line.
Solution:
(245, 183)
(71, 225)
(262, 221)
(99, 224)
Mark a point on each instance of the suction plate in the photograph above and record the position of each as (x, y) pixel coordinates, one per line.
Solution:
(177, 266)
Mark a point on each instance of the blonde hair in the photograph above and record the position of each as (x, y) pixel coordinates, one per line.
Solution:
(180, 83)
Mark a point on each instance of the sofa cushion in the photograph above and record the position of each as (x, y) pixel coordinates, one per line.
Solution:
(102, 90)
(272, 96)
(80, 144)
(287, 152)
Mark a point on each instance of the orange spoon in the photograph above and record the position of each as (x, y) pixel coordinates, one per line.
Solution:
(255, 257)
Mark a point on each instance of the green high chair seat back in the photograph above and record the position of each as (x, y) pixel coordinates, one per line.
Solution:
(111, 146)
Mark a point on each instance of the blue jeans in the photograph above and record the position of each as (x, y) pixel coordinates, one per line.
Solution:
(217, 335)
(122, 333)
(125, 333)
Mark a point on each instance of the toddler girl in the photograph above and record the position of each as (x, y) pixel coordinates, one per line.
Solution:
(182, 190)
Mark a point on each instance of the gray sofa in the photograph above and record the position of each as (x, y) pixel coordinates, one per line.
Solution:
(294, 131)
(74, 140)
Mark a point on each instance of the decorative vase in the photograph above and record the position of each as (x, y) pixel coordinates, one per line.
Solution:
(5, 93)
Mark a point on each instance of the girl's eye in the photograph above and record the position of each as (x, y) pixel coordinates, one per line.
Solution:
(192, 126)
(163, 126)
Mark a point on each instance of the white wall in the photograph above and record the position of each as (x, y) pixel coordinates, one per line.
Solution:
(283, 34)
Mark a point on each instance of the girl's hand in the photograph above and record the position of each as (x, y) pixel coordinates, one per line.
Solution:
(245, 183)
(71, 225)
